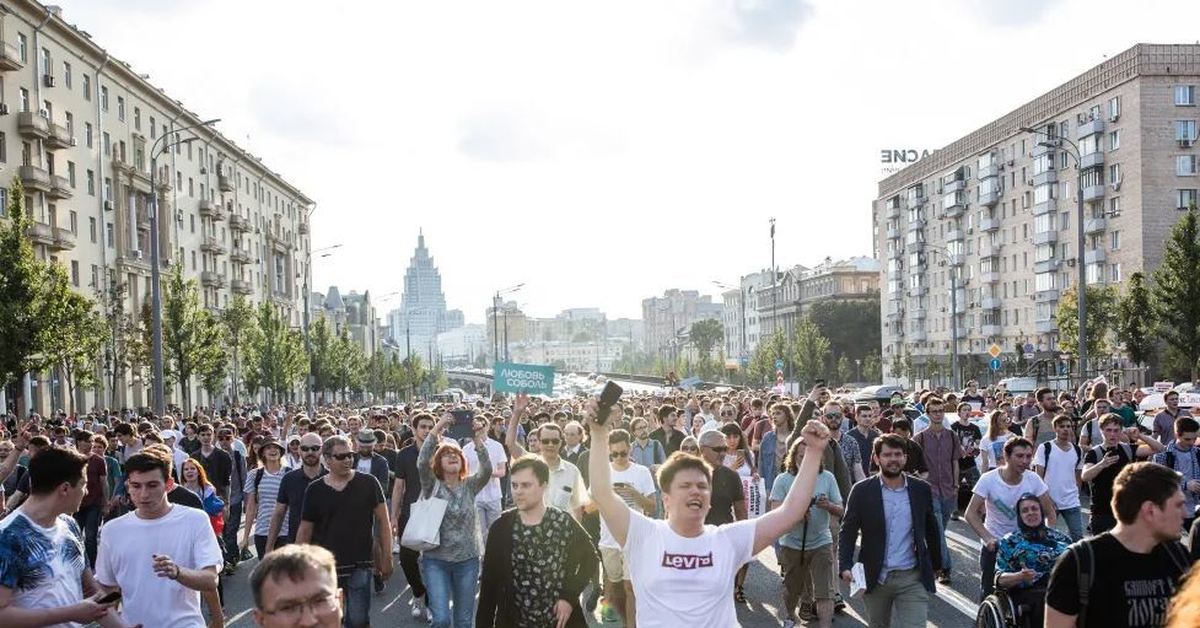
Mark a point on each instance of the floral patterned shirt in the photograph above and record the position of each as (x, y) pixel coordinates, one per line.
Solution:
(1015, 552)
(539, 566)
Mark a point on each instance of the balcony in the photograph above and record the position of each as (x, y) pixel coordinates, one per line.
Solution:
(240, 255)
(212, 245)
(893, 233)
(893, 207)
(210, 279)
(989, 277)
(41, 233)
(59, 137)
(1093, 225)
(954, 205)
(917, 335)
(918, 291)
(988, 199)
(1092, 160)
(1091, 127)
(956, 259)
(915, 225)
(64, 240)
(1045, 178)
(989, 224)
(1046, 266)
(954, 235)
(225, 183)
(991, 331)
(60, 187)
(991, 303)
(1040, 149)
(1045, 327)
(1045, 296)
(1093, 256)
(303, 227)
(10, 57)
(35, 178)
(956, 185)
(1093, 193)
(31, 124)
(240, 223)
(210, 210)
(989, 171)
(1045, 237)
(1045, 207)
(241, 286)
(988, 249)
(896, 253)
(915, 200)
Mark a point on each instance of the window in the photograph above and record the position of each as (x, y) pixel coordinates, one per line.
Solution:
(92, 228)
(153, 132)
(121, 108)
(91, 182)
(1185, 199)
(23, 99)
(1044, 281)
(1185, 95)
(3, 147)
(1114, 174)
(1089, 144)
(1114, 139)
(47, 66)
(87, 87)
(137, 118)
(23, 47)
(106, 143)
(71, 124)
(1114, 206)
(109, 236)
(1185, 165)
(1185, 130)
(104, 98)
(1114, 108)
(193, 221)
(71, 173)
(75, 273)
(74, 217)
(1114, 274)
(1114, 239)
(95, 277)
(67, 74)
(108, 189)
(87, 134)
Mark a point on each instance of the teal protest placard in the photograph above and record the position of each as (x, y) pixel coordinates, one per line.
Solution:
(534, 379)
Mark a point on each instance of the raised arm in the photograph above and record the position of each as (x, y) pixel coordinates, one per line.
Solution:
(484, 474)
(510, 434)
(769, 527)
(613, 509)
(425, 457)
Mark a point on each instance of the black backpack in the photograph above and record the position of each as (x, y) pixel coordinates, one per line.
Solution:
(1085, 570)
(1046, 454)
(1169, 458)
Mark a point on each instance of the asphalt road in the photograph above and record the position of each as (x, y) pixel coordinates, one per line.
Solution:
(954, 606)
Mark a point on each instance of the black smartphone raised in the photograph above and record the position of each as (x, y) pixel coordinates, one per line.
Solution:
(608, 398)
(109, 598)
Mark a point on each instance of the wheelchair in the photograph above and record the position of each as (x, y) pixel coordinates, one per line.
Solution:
(1001, 609)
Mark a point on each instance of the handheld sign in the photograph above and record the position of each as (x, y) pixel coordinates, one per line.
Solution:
(534, 379)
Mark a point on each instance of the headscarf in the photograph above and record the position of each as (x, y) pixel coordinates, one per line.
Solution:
(1036, 534)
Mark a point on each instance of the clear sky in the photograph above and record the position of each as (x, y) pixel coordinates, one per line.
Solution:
(602, 152)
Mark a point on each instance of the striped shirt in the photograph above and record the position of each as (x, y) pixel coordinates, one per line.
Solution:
(268, 490)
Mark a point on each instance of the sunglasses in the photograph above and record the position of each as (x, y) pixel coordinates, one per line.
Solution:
(721, 449)
(618, 454)
(343, 457)
(310, 448)
(833, 415)
(549, 441)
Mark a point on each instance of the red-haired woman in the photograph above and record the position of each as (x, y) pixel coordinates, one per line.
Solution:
(451, 570)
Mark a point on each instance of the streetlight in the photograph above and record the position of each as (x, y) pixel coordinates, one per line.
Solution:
(496, 322)
(325, 252)
(155, 279)
(1081, 290)
(952, 260)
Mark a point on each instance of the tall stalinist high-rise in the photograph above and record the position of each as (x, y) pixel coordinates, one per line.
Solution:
(422, 313)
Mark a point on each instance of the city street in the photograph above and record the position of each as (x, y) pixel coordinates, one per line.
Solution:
(952, 607)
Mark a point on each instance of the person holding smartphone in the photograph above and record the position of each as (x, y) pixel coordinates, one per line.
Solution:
(1104, 462)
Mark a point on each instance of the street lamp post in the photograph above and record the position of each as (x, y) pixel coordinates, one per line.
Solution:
(155, 279)
(308, 381)
(950, 262)
(496, 322)
(1081, 242)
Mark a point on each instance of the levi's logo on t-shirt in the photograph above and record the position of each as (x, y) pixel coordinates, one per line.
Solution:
(686, 561)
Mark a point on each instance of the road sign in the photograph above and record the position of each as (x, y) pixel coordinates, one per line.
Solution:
(779, 364)
(994, 363)
(1028, 355)
(529, 378)
(1029, 349)
(994, 350)
(744, 361)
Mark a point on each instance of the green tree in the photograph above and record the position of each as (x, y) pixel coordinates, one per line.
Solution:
(75, 334)
(1101, 304)
(845, 370)
(1176, 293)
(811, 351)
(322, 356)
(23, 295)
(240, 326)
(276, 358)
(762, 365)
(853, 327)
(349, 364)
(124, 349)
(1135, 322)
(191, 336)
(414, 373)
(705, 335)
(872, 367)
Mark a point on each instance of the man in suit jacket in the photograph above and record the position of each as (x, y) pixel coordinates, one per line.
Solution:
(901, 546)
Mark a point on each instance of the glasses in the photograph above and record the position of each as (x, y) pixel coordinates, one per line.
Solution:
(726, 414)
(618, 454)
(319, 604)
(833, 415)
(720, 449)
(310, 448)
(343, 457)
(549, 441)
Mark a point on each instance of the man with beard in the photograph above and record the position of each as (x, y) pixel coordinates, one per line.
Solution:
(290, 498)
(1040, 428)
(901, 545)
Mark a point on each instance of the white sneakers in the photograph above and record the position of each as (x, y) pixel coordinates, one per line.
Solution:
(395, 546)
(419, 610)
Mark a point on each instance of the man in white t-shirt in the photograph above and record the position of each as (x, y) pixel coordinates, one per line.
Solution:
(487, 501)
(1059, 463)
(996, 493)
(682, 570)
(633, 484)
(160, 556)
(43, 574)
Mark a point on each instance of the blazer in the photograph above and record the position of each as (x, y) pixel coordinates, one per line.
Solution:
(497, 604)
(864, 514)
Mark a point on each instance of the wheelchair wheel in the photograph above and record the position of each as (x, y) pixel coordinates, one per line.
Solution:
(989, 614)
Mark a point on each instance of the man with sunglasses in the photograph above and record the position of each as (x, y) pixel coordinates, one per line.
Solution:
(290, 497)
(728, 501)
(566, 491)
(633, 484)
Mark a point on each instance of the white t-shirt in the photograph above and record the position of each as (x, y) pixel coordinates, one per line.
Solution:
(491, 492)
(126, 560)
(1060, 474)
(1001, 506)
(48, 560)
(681, 581)
(639, 478)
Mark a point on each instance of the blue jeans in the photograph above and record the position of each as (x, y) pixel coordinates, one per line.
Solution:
(446, 581)
(356, 586)
(232, 526)
(943, 507)
(88, 519)
(1074, 520)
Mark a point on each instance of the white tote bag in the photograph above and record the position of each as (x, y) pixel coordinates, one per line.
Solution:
(423, 530)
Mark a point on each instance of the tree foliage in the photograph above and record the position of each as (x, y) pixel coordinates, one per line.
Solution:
(322, 356)
(1101, 305)
(811, 351)
(872, 367)
(192, 343)
(241, 328)
(1135, 321)
(762, 365)
(853, 327)
(75, 334)
(23, 295)
(275, 355)
(1176, 293)
(705, 335)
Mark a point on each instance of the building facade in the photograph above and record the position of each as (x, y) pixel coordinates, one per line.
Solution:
(353, 313)
(783, 305)
(414, 327)
(668, 318)
(462, 345)
(591, 356)
(997, 208)
(740, 314)
(81, 131)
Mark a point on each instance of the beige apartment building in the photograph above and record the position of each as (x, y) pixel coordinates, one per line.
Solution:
(77, 127)
(999, 206)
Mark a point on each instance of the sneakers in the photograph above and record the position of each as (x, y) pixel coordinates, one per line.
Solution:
(395, 546)
(808, 611)
(944, 576)
(418, 608)
(789, 623)
(839, 604)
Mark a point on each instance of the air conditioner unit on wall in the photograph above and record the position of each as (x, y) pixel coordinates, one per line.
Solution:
(48, 80)
(3, 109)
(1116, 185)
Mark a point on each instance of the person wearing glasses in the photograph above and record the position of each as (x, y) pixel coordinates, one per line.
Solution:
(566, 490)
(290, 496)
(297, 586)
(633, 484)
(338, 513)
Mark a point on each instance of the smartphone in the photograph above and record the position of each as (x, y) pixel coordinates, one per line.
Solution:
(608, 398)
(619, 485)
(109, 598)
(820, 382)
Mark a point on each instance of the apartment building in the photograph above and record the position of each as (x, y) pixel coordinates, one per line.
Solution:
(81, 130)
(998, 208)
(668, 319)
(782, 305)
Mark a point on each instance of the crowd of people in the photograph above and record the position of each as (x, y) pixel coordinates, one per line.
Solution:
(519, 511)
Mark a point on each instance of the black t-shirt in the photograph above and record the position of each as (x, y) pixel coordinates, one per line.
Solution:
(343, 520)
(670, 441)
(726, 490)
(219, 467)
(1101, 485)
(968, 437)
(291, 494)
(1135, 595)
(184, 497)
(16, 480)
(406, 469)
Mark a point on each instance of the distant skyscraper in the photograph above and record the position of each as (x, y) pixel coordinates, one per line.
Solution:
(422, 314)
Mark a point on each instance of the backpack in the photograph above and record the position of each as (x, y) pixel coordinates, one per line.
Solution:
(1085, 570)
(1046, 454)
(1169, 458)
